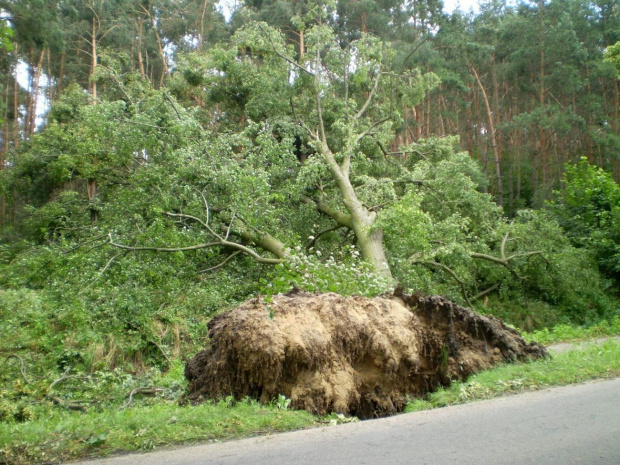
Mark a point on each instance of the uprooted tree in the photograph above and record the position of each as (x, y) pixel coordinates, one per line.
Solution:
(260, 153)
(302, 150)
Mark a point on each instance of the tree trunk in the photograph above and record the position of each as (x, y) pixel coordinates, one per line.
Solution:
(15, 107)
(493, 135)
(361, 219)
(201, 39)
(34, 95)
(140, 61)
(162, 54)
(94, 61)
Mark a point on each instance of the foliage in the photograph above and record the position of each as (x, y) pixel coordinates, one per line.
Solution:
(612, 55)
(565, 332)
(341, 272)
(588, 209)
(71, 435)
(64, 435)
(129, 220)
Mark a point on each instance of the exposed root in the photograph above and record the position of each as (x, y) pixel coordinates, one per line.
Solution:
(352, 355)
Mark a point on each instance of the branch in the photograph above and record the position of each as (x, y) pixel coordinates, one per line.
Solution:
(65, 377)
(174, 107)
(317, 97)
(502, 248)
(221, 243)
(281, 55)
(222, 264)
(344, 219)
(449, 271)
(311, 244)
(68, 405)
(415, 50)
(22, 366)
(148, 391)
(164, 249)
(191, 217)
(370, 97)
(529, 255)
(486, 291)
(491, 258)
(371, 128)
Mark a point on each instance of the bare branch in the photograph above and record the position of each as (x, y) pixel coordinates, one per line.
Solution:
(192, 217)
(486, 291)
(148, 391)
(68, 405)
(341, 218)
(528, 255)
(65, 377)
(314, 135)
(220, 243)
(450, 272)
(415, 50)
(206, 204)
(284, 57)
(230, 225)
(371, 129)
(222, 264)
(316, 237)
(491, 258)
(22, 366)
(165, 249)
(105, 268)
(317, 96)
(370, 96)
(172, 104)
(502, 248)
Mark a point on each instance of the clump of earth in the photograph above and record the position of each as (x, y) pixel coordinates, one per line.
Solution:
(351, 355)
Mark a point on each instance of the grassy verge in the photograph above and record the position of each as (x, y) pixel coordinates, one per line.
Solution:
(563, 333)
(72, 435)
(575, 366)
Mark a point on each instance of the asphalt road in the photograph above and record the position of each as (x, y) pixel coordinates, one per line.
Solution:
(577, 424)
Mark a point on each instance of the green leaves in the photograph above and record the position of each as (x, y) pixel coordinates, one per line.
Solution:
(588, 208)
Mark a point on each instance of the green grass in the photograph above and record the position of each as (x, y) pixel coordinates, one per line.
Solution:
(71, 435)
(75, 435)
(575, 366)
(565, 332)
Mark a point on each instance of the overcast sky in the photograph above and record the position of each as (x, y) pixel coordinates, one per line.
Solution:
(465, 5)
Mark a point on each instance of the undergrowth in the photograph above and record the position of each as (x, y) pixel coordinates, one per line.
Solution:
(149, 423)
(566, 332)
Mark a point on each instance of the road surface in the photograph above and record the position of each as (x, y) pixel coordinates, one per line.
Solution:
(577, 424)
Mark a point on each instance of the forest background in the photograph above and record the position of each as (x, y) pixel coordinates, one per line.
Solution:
(188, 163)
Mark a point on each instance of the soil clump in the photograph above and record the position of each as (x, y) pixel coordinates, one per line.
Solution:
(351, 355)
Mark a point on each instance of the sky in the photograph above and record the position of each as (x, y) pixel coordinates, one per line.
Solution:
(465, 5)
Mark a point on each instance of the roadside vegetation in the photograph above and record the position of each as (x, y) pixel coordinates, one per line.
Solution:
(150, 423)
(296, 146)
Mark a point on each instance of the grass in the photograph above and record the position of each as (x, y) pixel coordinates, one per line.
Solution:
(575, 366)
(565, 332)
(72, 435)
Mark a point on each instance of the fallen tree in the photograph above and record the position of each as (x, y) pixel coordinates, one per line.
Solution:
(351, 355)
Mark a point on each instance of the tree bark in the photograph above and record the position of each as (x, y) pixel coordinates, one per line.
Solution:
(94, 60)
(15, 106)
(362, 220)
(31, 117)
(140, 61)
(496, 151)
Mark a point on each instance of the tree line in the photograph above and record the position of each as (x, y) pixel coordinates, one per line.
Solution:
(526, 88)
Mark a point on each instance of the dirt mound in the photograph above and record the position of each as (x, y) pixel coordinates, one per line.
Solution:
(351, 355)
